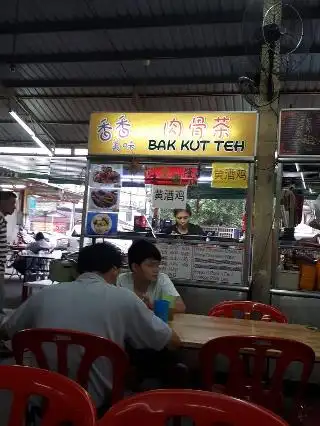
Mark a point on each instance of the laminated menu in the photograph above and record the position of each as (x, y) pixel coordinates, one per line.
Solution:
(176, 260)
(217, 264)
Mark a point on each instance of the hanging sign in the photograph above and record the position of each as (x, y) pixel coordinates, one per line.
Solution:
(180, 134)
(171, 175)
(169, 197)
(299, 132)
(229, 175)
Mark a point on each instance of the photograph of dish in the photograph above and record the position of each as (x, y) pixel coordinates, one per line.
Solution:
(101, 223)
(106, 175)
(105, 199)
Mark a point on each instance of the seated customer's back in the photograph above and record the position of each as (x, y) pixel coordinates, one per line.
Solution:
(94, 305)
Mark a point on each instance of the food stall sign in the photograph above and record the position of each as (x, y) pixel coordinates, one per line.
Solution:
(169, 197)
(179, 134)
(229, 175)
(299, 133)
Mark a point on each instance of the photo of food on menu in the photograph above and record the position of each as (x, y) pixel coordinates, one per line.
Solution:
(104, 199)
(106, 175)
(101, 223)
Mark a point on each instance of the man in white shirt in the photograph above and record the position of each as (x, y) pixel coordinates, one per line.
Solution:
(145, 278)
(148, 283)
(93, 304)
(7, 207)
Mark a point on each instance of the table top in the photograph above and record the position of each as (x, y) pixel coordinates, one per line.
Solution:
(195, 330)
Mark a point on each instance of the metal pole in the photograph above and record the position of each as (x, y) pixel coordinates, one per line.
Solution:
(85, 205)
(275, 252)
(266, 148)
(247, 256)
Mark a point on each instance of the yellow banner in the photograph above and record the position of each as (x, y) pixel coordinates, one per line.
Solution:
(229, 175)
(179, 134)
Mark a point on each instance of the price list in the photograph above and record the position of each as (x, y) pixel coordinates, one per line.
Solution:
(177, 260)
(216, 264)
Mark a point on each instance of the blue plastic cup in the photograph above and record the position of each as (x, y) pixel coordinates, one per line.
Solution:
(161, 309)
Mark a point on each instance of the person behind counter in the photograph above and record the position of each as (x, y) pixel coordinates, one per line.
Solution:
(183, 225)
(145, 279)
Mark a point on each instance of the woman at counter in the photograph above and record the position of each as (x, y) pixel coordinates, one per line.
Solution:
(183, 226)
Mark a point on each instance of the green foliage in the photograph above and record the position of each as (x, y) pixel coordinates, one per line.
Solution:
(216, 212)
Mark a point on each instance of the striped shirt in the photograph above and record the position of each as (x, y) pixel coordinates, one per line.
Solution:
(3, 243)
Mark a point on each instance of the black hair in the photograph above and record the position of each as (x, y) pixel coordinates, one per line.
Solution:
(141, 250)
(101, 257)
(39, 236)
(187, 209)
(6, 195)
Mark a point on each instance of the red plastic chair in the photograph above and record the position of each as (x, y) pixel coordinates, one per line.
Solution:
(204, 408)
(247, 307)
(94, 347)
(254, 353)
(66, 400)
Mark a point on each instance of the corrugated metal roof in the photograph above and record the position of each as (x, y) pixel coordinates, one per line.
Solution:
(51, 106)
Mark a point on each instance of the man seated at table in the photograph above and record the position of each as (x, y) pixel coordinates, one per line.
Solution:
(145, 278)
(93, 304)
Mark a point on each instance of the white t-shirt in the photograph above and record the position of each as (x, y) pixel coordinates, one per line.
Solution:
(91, 305)
(163, 286)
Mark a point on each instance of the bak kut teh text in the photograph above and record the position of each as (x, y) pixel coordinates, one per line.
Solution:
(195, 145)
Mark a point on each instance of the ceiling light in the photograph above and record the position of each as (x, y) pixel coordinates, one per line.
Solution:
(22, 150)
(42, 145)
(30, 132)
(62, 151)
(80, 151)
(22, 123)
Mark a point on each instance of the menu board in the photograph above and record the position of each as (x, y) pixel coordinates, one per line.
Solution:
(217, 264)
(176, 260)
(202, 262)
(299, 132)
(103, 199)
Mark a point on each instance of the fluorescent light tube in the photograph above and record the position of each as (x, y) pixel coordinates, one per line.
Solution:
(22, 123)
(30, 132)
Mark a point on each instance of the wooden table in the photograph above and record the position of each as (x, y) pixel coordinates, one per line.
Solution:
(195, 330)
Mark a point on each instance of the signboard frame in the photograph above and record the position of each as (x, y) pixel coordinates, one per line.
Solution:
(284, 157)
(179, 149)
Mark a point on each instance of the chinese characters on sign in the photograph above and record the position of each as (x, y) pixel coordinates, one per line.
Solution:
(171, 175)
(222, 128)
(169, 197)
(229, 175)
(122, 128)
(183, 134)
(104, 130)
(198, 126)
(173, 128)
(202, 263)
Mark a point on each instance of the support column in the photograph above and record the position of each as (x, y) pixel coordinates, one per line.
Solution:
(265, 171)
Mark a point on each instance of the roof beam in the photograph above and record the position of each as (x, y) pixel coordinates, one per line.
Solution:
(140, 55)
(60, 144)
(134, 55)
(140, 82)
(191, 94)
(119, 23)
(126, 22)
(47, 123)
